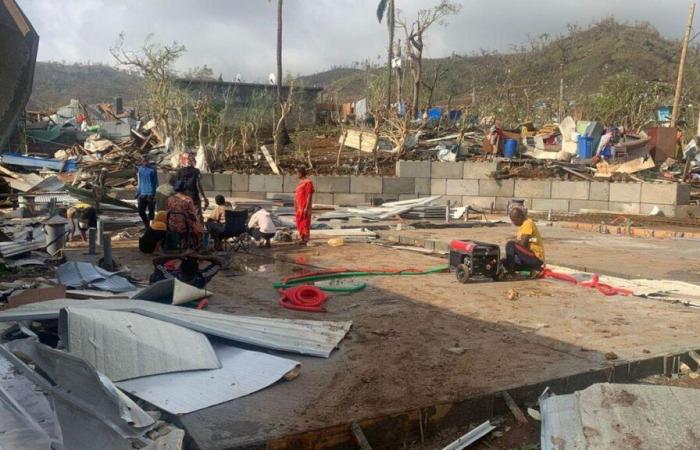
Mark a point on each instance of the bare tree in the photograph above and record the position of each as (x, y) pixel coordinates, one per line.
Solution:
(387, 6)
(415, 44)
(155, 63)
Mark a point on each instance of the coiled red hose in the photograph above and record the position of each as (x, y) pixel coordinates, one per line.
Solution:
(303, 298)
(595, 283)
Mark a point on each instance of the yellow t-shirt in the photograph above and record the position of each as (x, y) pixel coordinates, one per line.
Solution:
(528, 228)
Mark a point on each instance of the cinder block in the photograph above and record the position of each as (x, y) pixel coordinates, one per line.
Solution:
(323, 199)
(394, 185)
(453, 170)
(478, 202)
(438, 186)
(265, 183)
(211, 194)
(577, 205)
(239, 182)
(503, 203)
(599, 190)
(289, 183)
(455, 200)
(462, 187)
(207, 180)
(625, 207)
(365, 185)
(571, 190)
(349, 199)
(496, 188)
(474, 170)
(331, 184)
(545, 204)
(414, 169)
(251, 195)
(533, 189)
(625, 192)
(692, 211)
(284, 197)
(422, 186)
(667, 210)
(222, 182)
(665, 194)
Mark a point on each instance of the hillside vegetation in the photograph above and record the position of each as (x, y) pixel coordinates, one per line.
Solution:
(529, 75)
(56, 83)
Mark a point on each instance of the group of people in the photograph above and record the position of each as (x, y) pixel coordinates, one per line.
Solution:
(178, 205)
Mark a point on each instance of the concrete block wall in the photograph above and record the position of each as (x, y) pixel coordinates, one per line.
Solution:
(465, 183)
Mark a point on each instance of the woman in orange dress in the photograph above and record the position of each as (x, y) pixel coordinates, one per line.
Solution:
(303, 199)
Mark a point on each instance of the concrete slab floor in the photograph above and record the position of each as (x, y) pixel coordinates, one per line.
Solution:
(425, 340)
(628, 257)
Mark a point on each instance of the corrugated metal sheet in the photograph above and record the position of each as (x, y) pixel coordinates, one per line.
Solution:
(85, 275)
(243, 372)
(310, 337)
(171, 291)
(27, 416)
(14, 248)
(124, 345)
(621, 416)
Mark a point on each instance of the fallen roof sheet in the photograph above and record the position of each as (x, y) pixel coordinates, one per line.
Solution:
(309, 337)
(621, 416)
(243, 372)
(85, 275)
(88, 406)
(123, 345)
(27, 416)
(382, 212)
(668, 290)
(172, 291)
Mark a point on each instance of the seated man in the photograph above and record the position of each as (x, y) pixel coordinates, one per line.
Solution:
(216, 223)
(86, 217)
(185, 267)
(527, 251)
(261, 227)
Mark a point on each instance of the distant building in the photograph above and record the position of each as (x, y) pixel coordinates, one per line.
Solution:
(244, 97)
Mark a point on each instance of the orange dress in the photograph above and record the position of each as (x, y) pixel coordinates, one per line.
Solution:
(302, 200)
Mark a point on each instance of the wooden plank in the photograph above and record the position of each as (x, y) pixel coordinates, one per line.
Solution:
(360, 437)
(517, 412)
(636, 165)
(365, 141)
(270, 161)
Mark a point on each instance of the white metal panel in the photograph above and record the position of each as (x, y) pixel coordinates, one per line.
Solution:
(123, 345)
(243, 372)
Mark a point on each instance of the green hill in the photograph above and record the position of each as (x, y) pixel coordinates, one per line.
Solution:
(56, 83)
(584, 58)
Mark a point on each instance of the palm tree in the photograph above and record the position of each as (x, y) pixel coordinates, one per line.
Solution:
(387, 6)
(280, 132)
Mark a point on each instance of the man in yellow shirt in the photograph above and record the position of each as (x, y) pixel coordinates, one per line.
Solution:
(527, 251)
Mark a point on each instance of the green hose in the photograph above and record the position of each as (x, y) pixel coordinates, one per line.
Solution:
(333, 276)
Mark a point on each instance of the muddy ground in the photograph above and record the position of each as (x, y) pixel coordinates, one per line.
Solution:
(425, 340)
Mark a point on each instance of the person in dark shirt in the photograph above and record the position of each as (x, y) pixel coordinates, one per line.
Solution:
(185, 267)
(191, 178)
(85, 215)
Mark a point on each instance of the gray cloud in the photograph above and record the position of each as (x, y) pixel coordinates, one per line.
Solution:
(238, 36)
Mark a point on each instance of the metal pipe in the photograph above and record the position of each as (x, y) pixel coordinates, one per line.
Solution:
(107, 251)
(100, 231)
(92, 238)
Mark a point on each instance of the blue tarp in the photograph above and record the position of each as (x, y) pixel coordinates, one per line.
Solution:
(16, 159)
(434, 114)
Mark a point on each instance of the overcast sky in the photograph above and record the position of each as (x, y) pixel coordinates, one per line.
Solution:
(238, 36)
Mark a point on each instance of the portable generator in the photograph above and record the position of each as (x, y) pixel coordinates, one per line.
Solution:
(474, 259)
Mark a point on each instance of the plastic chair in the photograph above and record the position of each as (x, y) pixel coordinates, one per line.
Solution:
(235, 233)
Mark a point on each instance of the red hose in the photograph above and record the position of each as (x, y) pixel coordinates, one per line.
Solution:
(595, 283)
(304, 298)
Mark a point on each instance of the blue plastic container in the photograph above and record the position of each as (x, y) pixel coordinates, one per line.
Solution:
(585, 147)
(510, 148)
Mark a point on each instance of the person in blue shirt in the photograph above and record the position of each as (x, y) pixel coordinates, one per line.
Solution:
(147, 183)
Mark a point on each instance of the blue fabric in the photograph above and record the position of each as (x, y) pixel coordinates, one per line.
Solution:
(148, 180)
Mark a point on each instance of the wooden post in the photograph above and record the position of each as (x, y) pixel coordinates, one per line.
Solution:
(340, 149)
(679, 81)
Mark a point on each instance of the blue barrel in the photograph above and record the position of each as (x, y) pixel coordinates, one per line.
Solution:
(585, 147)
(510, 148)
